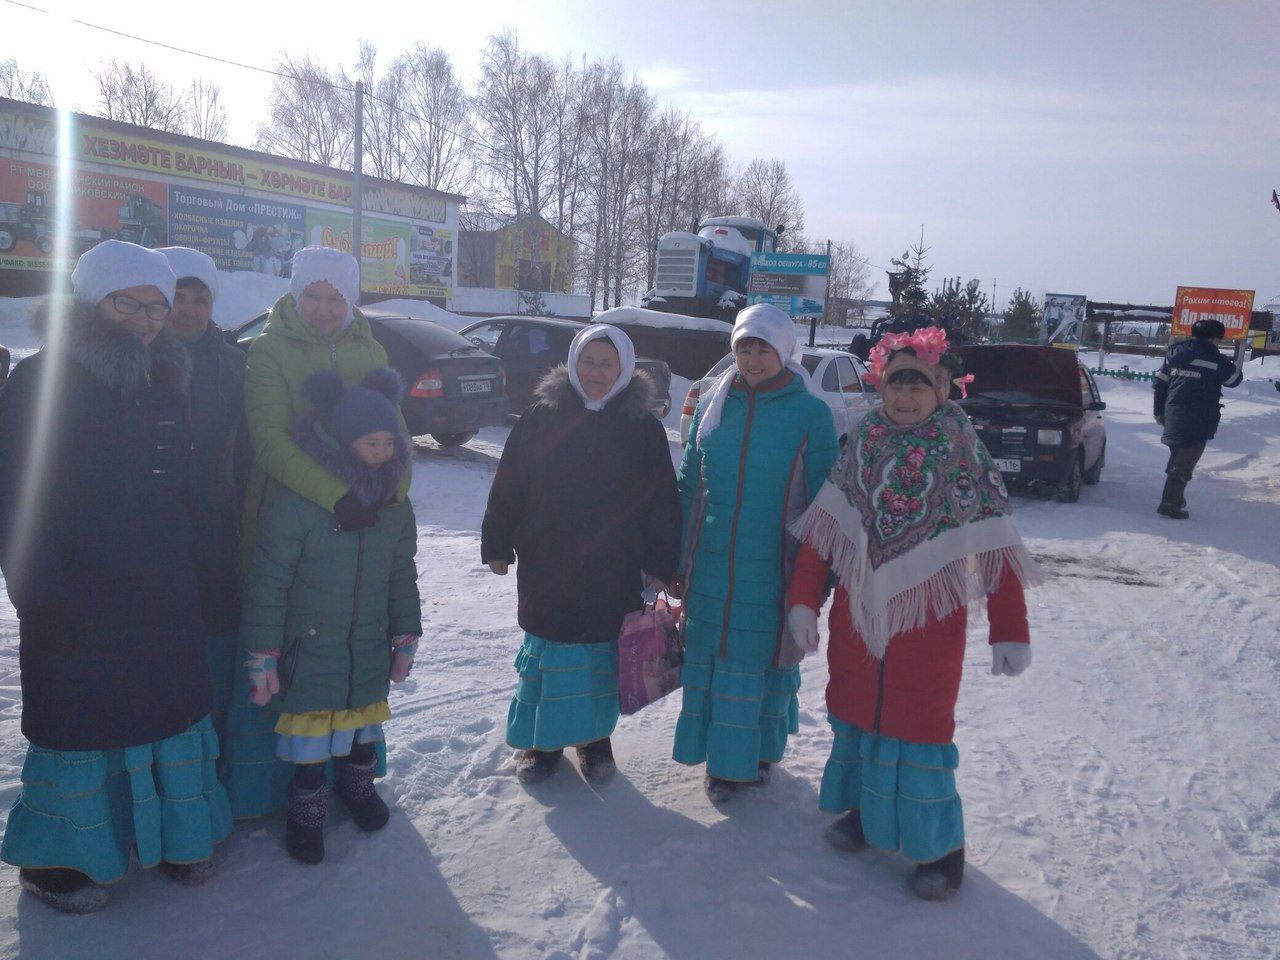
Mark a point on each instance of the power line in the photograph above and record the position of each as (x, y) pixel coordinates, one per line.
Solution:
(258, 69)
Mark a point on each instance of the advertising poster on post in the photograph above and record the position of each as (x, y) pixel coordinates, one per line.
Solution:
(1064, 315)
(104, 206)
(239, 232)
(1233, 308)
(796, 283)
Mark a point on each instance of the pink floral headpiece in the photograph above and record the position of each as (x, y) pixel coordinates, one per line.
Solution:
(927, 343)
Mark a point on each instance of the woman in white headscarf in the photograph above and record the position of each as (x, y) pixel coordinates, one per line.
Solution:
(759, 450)
(584, 503)
(315, 326)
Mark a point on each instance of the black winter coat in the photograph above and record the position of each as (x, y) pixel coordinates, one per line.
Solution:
(110, 642)
(217, 412)
(584, 501)
(1188, 387)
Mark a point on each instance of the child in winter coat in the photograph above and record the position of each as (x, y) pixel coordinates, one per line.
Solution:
(759, 449)
(915, 524)
(331, 615)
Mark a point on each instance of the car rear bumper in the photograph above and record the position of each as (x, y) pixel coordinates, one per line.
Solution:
(453, 415)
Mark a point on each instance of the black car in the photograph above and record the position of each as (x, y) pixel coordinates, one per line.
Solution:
(453, 386)
(530, 346)
(1038, 411)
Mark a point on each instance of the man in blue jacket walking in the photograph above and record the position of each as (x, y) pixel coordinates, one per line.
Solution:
(1188, 389)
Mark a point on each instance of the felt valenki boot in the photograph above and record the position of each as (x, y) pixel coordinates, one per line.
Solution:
(68, 891)
(534, 766)
(355, 789)
(304, 831)
(940, 878)
(596, 761)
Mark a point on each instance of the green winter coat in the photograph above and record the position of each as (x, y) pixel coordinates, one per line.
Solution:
(279, 362)
(739, 488)
(330, 601)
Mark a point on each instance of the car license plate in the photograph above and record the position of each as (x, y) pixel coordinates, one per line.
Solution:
(1009, 466)
(476, 386)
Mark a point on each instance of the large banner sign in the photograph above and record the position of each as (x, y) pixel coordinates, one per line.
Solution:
(796, 283)
(240, 233)
(1233, 308)
(104, 206)
(247, 210)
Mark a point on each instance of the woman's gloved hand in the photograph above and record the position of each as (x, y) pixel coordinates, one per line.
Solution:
(802, 621)
(264, 682)
(403, 649)
(1010, 659)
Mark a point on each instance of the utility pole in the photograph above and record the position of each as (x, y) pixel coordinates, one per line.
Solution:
(826, 302)
(357, 187)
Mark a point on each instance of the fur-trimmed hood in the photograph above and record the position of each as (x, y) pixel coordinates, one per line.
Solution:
(635, 402)
(371, 485)
(113, 355)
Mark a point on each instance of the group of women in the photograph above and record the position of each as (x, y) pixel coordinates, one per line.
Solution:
(153, 722)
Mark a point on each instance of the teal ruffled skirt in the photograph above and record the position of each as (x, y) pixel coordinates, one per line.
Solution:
(733, 716)
(905, 792)
(257, 780)
(567, 694)
(85, 809)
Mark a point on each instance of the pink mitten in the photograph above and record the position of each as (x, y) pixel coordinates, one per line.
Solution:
(403, 648)
(264, 682)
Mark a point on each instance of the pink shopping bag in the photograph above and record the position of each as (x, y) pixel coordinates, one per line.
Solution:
(650, 654)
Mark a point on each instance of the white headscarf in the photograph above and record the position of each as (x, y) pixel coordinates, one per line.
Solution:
(192, 263)
(313, 264)
(626, 356)
(765, 322)
(116, 265)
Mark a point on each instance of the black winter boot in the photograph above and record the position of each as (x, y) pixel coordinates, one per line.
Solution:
(356, 791)
(939, 879)
(304, 831)
(846, 833)
(534, 766)
(719, 791)
(1172, 501)
(69, 891)
(596, 761)
(764, 771)
(188, 874)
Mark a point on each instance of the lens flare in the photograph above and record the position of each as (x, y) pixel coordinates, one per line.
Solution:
(43, 437)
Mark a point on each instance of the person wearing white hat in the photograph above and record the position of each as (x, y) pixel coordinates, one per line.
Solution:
(217, 407)
(584, 503)
(759, 450)
(96, 550)
(315, 326)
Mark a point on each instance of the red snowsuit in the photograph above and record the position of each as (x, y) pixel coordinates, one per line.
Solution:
(911, 694)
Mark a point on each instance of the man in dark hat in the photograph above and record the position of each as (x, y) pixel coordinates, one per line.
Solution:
(1188, 389)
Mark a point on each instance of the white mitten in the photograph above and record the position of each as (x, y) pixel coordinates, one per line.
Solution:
(1010, 658)
(802, 621)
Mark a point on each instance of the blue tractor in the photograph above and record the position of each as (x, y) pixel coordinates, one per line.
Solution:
(706, 274)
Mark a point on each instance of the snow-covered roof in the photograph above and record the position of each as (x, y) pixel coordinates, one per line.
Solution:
(639, 317)
(750, 223)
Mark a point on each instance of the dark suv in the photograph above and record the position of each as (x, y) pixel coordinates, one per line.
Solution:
(1038, 411)
(452, 387)
(530, 346)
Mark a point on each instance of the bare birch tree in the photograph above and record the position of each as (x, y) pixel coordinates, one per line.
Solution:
(765, 191)
(311, 116)
(206, 116)
(30, 86)
(139, 97)
(440, 129)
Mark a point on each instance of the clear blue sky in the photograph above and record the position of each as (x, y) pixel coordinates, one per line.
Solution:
(1111, 149)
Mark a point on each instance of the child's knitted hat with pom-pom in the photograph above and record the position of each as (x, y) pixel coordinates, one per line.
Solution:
(349, 413)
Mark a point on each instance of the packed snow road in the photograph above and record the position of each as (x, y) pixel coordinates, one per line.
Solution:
(1121, 797)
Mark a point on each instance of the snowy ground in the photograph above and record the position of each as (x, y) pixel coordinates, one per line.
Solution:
(1121, 797)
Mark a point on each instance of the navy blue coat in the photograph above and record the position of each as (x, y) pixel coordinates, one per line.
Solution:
(217, 410)
(111, 647)
(1188, 387)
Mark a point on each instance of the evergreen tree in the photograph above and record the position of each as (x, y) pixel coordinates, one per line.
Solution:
(911, 306)
(1022, 316)
(959, 310)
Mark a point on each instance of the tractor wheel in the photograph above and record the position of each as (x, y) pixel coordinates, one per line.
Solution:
(7, 239)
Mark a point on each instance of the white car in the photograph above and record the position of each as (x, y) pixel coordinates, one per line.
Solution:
(834, 376)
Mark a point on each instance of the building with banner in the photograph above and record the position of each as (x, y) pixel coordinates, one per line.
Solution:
(247, 210)
(527, 254)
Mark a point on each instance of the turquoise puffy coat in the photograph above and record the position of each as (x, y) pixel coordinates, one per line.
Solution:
(752, 475)
(330, 601)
